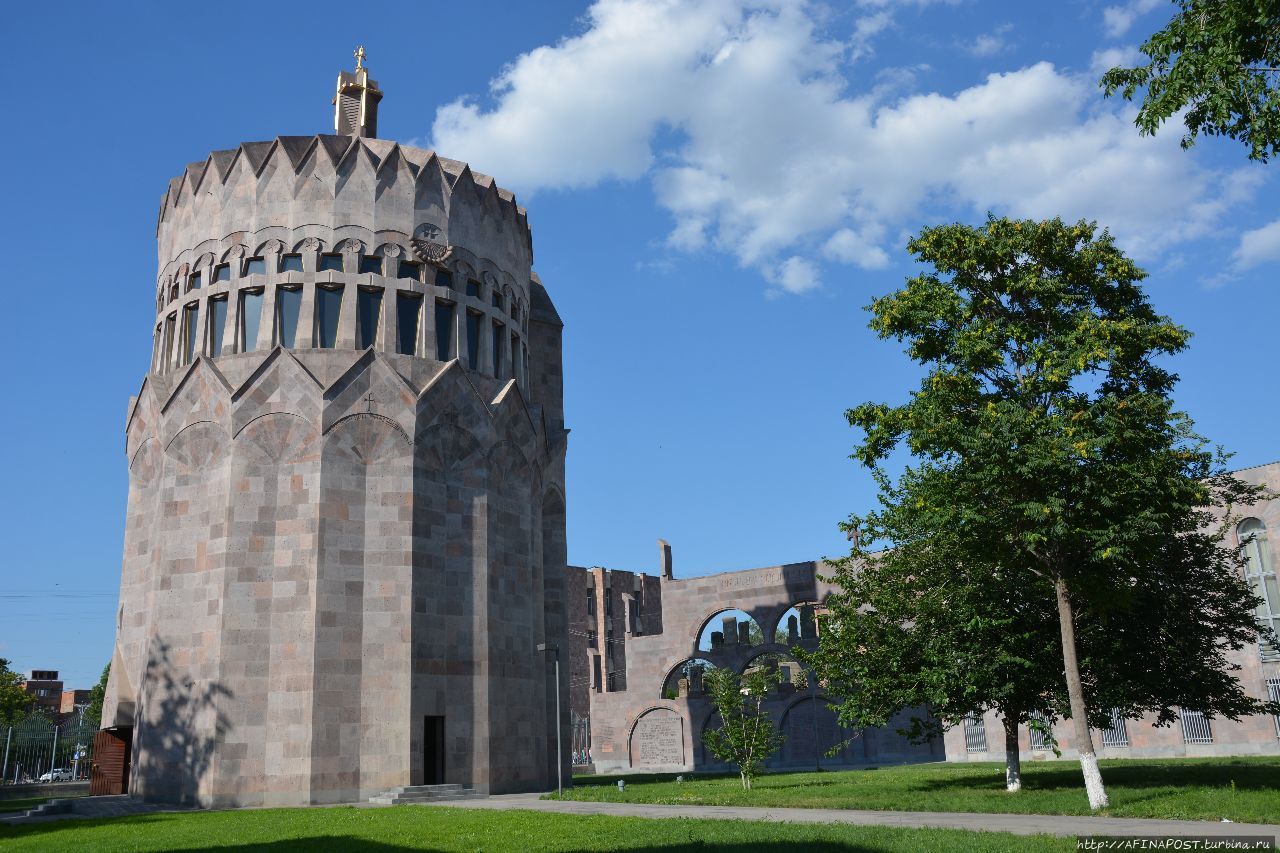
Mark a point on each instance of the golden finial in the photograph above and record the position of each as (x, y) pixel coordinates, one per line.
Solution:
(359, 56)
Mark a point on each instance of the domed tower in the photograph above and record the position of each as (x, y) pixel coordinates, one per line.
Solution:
(345, 535)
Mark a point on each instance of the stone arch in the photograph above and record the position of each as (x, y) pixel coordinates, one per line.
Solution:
(691, 670)
(447, 447)
(705, 639)
(198, 446)
(144, 465)
(805, 623)
(656, 738)
(278, 437)
(367, 437)
(810, 727)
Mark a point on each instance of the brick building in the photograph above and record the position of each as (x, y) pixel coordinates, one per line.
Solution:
(45, 688)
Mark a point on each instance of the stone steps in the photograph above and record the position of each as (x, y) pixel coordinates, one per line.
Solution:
(409, 794)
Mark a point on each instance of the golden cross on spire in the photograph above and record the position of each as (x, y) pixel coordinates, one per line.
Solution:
(359, 56)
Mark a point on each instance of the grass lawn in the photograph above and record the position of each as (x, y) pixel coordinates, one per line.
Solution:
(1238, 789)
(473, 830)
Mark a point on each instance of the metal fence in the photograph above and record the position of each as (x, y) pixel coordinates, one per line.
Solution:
(1117, 734)
(975, 734)
(1195, 727)
(37, 746)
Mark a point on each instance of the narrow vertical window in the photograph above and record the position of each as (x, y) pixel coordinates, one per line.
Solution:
(411, 270)
(222, 272)
(155, 349)
(255, 266)
(190, 331)
(473, 287)
(371, 263)
(408, 315)
(499, 350)
(331, 263)
(217, 325)
(1260, 574)
(250, 319)
(444, 331)
(291, 263)
(193, 281)
(444, 278)
(169, 327)
(173, 291)
(368, 315)
(473, 339)
(328, 311)
(288, 305)
(499, 302)
(515, 358)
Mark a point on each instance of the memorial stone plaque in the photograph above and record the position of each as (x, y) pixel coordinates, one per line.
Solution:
(658, 740)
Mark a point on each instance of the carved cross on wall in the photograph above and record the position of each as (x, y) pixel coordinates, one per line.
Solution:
(368, 402)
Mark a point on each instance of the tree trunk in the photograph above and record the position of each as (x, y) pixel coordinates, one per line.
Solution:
(746, 783)
(1079, 716)
(1012, 758)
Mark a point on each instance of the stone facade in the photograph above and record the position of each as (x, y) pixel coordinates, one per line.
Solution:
(630, 634)
(345, 534)
(638, 645)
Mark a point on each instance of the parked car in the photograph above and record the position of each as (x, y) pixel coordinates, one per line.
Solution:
(57, 774)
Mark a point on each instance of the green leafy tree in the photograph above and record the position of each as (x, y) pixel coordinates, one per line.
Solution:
(15, 703)
(921, 627)
(1053, 466)
(747, 736)
(97, 695)
(1219, 60)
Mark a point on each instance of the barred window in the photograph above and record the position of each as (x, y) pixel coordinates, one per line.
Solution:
(975, 734)
(1117, 734)
(1196, 727)
(1273, 694)
(1040, 740)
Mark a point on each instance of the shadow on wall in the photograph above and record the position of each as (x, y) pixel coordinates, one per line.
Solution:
(180, 727)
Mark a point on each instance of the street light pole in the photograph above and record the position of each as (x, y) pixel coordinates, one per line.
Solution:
(545, 647)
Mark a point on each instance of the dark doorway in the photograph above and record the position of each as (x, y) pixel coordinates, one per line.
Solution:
(112, 752)
(433, 751)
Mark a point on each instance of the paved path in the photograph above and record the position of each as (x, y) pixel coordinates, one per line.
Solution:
(1068, 825)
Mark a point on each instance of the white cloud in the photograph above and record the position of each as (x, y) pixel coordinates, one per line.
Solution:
(1107, 58)
(867, 28)
(740, 115)
(1116, 20)
(1259, 246)
(795, 275)
(988, 44)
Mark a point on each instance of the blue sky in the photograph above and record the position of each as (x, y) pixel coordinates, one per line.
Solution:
(716, 189)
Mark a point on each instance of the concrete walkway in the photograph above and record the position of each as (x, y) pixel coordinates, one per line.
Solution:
(1018, 824)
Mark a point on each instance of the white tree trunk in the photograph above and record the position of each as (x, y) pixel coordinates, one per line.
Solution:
(1075, 692)
(1012, 757)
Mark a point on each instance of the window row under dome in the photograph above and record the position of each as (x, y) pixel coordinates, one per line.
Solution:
(330, 315)
(409, 270)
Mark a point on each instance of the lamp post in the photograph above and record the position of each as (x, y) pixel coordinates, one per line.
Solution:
(547, 647)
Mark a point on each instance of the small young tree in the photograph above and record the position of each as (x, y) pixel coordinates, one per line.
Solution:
(747, 735)
(15, 703)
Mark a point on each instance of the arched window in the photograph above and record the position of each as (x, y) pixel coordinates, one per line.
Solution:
(1260, 573)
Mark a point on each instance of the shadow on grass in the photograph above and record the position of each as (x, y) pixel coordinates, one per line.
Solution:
(307, 844)
(1244, 777)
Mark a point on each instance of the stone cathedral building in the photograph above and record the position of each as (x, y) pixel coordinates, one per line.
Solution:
(345, 535)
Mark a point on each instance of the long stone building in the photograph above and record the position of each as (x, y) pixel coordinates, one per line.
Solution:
(345, 535)
(639, 644)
